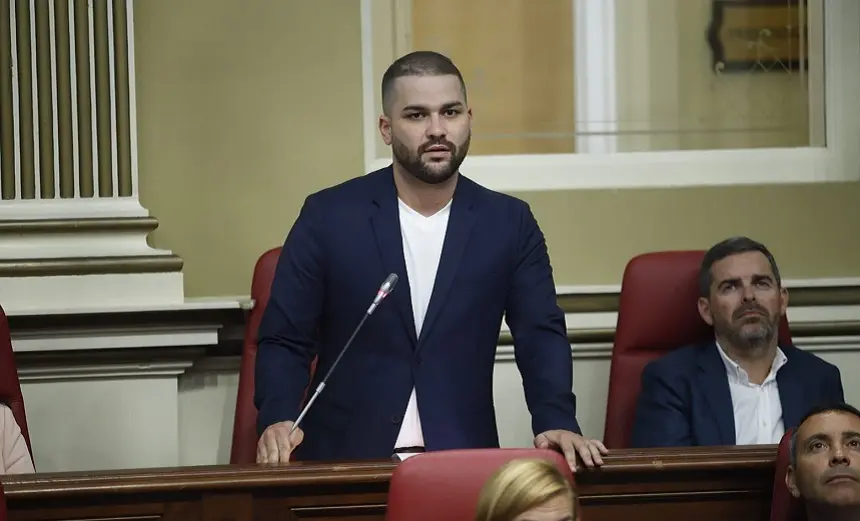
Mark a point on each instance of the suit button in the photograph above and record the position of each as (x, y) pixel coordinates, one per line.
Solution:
(418, 361)
(396, 418)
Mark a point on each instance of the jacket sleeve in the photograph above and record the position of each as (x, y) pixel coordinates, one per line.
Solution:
(288, 329)
(834, 384)
(537, 324)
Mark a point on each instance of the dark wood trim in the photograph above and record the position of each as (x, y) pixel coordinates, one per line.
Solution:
(118, 319)
(74, 226)
(706, 484)
(90, 266)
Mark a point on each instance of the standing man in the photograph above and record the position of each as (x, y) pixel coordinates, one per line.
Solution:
(419, 375)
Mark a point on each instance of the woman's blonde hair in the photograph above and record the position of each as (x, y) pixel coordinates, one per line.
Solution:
(519, 486)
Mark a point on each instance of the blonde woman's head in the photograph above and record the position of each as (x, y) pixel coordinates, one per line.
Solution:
(527, 490)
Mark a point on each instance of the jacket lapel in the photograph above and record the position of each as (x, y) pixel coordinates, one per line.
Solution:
(386, 228)
(714, 385)
(790, 379)
(460, 224)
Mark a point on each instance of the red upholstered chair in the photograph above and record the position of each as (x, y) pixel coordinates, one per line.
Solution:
(784, 506)
(657, 313)
(446, 484)
(2, 504)
(244, 448)
(10, 387)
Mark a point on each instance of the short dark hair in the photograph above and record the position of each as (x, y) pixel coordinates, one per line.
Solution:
(417, 63)
(815, 411)
(727, 248)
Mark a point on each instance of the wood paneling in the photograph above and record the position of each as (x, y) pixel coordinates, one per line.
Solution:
(709, 484)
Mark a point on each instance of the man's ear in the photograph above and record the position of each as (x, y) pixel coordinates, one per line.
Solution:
(783, 300)
(791, 481)
(705, 311)
(385, 129)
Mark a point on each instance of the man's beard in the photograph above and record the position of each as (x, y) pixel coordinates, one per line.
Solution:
(430, 172)
(751, 335)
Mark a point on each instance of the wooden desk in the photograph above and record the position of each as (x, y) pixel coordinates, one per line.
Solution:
(702, 484)
(665, 485)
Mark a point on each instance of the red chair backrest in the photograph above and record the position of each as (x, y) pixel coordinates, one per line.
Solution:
(784, 506)
(244, 448)
(447, 484)
(657, 313)
(2, 504)
(10, 387)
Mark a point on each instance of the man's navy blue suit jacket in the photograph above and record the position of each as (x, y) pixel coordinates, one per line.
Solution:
(345, 242)
(686, 400)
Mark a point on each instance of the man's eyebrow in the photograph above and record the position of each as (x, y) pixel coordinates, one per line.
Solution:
(816, 437)
(730, 280)
(446, 106)
(565, 518)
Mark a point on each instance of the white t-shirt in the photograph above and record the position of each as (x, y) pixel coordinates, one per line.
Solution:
(423, 238)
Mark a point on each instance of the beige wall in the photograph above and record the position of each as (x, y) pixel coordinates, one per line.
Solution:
(245, 107)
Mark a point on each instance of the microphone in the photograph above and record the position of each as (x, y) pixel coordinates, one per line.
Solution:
(384, 290)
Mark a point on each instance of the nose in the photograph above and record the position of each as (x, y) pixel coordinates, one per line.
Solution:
(435, 127)
(838, 457)
(749, 293)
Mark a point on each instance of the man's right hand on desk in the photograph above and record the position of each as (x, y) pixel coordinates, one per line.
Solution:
(276, 444)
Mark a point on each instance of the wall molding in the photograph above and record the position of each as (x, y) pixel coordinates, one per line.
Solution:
(597, 343)
(605, 298)
(107, 364)
(104, 371)
(816, 337)
(829, 330)
(802, 293)
(204, 336)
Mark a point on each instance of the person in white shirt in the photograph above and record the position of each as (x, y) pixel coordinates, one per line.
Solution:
(743, 387)
(14, 453)
(419, 375)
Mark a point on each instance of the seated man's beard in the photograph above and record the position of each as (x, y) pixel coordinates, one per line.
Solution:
(760, 335)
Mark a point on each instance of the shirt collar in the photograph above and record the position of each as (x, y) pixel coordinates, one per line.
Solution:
(736, 371)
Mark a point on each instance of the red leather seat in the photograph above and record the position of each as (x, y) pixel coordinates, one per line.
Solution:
(447, 484)
(784, 506)
(10, 387)
(244, 448)
(657, 313)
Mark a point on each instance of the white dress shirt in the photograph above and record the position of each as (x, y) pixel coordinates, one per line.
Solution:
(757, 408)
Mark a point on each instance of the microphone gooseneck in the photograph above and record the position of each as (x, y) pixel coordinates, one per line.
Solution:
(384, 290)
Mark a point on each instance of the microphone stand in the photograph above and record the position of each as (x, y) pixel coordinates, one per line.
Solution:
(384, 290)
